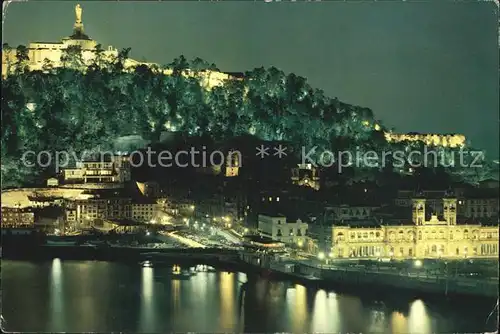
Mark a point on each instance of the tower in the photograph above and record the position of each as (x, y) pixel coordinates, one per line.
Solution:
(233, 163)
(418, 211)
(450, 210)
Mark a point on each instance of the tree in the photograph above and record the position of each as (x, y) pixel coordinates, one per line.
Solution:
(71, 57)
(22, 58)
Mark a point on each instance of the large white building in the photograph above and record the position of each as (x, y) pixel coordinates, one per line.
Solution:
(437, 237)
(116, 169)
(41, 53)
(279, 229)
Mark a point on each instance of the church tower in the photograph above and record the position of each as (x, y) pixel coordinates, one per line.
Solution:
(450, 210)
(233, 163)
(418, 211)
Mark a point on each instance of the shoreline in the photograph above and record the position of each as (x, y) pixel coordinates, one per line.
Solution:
(351, 282)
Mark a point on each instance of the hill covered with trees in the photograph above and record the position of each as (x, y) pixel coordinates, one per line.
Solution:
(75, 108)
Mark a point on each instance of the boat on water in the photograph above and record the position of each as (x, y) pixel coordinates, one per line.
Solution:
(179, 273)
(60, 243)
(203, 268)
(147, 264)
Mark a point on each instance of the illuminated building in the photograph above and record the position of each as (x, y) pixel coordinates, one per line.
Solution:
(451, 140)
(233, 162)
(42, 53)
(423, 238)
(86, 212)
(306, 175)
(280, 229)
(144, 212)
(116, 169)
(17, 217)
(52, 182)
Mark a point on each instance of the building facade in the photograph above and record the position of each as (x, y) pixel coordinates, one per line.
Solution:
(306, 175)
(86, 212)
(41, 54)
(432, 238)
(279, 229)
(349, 212)
(17, 217)
(144, 212)
(116, 169)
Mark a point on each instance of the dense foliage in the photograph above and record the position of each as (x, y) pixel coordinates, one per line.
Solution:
(76, 108)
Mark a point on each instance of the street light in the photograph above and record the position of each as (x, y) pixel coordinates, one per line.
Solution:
(418, 263)
(321, 256)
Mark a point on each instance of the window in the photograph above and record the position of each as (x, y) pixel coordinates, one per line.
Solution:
(410, 252)
(419, 235)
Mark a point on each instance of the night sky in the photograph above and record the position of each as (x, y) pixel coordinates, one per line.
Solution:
(421, 67)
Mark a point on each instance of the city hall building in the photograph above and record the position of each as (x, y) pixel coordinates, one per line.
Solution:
(423, 237)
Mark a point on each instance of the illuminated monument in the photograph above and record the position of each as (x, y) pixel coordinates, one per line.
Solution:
(41, 53)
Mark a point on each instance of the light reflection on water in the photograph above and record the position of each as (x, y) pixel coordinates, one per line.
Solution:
(104, 297)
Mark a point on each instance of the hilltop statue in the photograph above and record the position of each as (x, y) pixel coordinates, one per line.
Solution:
(78, 12)
(78, 27)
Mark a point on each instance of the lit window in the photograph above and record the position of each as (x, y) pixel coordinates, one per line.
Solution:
(277, 199)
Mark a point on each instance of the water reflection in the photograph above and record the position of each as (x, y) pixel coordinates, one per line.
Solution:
(298, 307)
(325, 317)
(399, 323)
(57, 296)
(227, 309)
(418, 319)
(105, 297)
(147, 309)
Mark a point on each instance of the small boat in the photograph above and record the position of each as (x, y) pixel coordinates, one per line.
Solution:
(147, 264)
(60, 243)
(182, 275)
